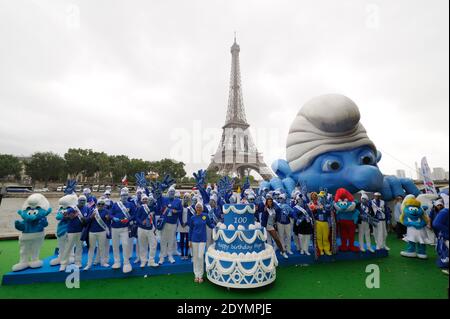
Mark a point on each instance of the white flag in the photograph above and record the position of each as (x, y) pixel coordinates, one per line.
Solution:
(426, 175)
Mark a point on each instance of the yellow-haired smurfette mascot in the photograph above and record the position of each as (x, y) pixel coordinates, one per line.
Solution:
(416, 220)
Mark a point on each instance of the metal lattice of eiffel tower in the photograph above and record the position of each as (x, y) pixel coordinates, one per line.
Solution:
(237, 155)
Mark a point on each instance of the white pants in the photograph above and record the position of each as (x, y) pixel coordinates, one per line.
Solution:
(30, 247)
(296, 238)
(147, 244)
(175, 243)
(106, 250)
(73, 240)
(131, 245)
(121, 235)
(62, 242)
(97, 239)
(167, 239)
(380, 234)
(304, 239)
(284, 232)
(198, 258)
(209, 239)
(364, 234)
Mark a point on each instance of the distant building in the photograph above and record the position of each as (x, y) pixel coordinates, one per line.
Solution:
(401, 173)
(438, 174)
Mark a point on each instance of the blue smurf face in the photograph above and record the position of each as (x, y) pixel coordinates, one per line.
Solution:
(353, 170)
(343, 204)
(33, 213)
(413, 211)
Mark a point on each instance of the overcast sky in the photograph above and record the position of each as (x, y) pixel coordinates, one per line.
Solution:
(150, 79)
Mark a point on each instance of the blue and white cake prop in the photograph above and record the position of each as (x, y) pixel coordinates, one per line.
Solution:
(240, 258)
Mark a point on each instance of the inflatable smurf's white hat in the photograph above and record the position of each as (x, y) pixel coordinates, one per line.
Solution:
(324, 124)
(35, 200)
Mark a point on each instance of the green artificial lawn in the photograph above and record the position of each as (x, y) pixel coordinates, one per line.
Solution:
(400, 277)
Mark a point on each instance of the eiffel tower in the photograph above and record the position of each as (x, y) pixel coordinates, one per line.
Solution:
(237, 155)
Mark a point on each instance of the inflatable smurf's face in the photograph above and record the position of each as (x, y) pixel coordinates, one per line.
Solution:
(352, 169)
(343, 204)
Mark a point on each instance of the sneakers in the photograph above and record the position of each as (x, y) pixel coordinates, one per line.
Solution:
(308, 253)
(290, 252)
(62, 268)
(362, 250)
(171, 260)
(116, 266)
(302, 252)
(422, 256)
(387, 248)
(105, 265)
(152, 264)
(371, 250)
(143, 264)
(445, 271)
(55, 261)
(161, 261)
(196, 279)
(127, 268)
(328, 253)
(284, 255)
(408, 254)
(87, 267)
(200, 280)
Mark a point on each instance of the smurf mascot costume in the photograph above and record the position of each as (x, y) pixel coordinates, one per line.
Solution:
(68, 201)
(415, 220)
(347, 217)
(34, 214)
(121, 215)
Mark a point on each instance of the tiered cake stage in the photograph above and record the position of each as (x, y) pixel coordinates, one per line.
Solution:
(49, 273)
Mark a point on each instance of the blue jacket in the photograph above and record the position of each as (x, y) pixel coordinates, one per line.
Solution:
(75, 224)
(265, 214)
(299, 216)
(142, 216)
(171, 209)
(440, 223)
(116, 213)
(94, 225)
(283, 214)
(197, 228)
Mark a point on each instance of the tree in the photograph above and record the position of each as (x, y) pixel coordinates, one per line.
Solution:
(212, 176)
(168, 166)
(120, 166)
(9, 165)
(45, 167)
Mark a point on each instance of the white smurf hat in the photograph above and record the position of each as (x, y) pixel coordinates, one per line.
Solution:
(325, 123)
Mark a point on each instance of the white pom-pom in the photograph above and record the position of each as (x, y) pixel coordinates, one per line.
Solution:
(257, 225)
(252, 226)
(241, 227)
(231, 227)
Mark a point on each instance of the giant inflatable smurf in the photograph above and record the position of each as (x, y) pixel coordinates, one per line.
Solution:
(327, 146)
(34, 214)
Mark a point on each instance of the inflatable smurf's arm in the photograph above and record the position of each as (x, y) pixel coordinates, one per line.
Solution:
(167, 182)
(393, 187)
(245, 186)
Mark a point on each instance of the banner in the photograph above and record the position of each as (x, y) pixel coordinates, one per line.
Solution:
(426, 176)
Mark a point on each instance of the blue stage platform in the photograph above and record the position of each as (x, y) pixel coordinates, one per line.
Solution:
(49, 273)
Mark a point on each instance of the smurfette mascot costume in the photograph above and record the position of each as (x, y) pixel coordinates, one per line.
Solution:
(34, 214)
(416, 221)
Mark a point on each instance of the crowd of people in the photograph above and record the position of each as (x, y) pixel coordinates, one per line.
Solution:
(183, 223)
